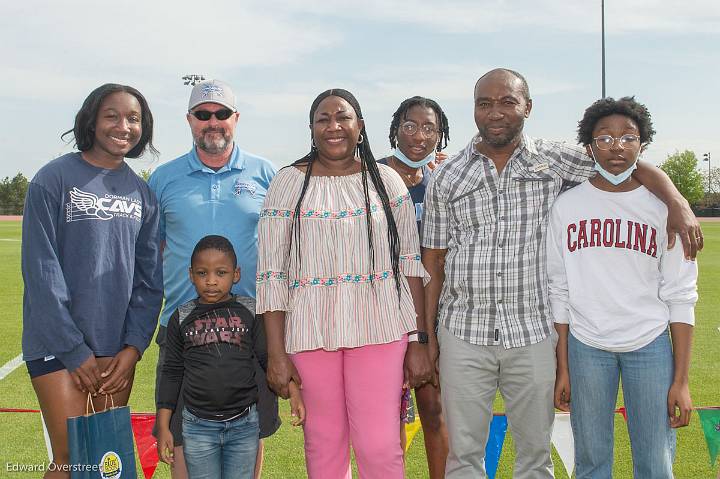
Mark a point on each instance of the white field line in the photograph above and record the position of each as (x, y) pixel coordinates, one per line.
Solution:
(9, 239)
(10, 366)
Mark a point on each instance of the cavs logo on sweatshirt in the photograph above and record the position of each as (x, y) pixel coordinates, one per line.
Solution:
(89, 206)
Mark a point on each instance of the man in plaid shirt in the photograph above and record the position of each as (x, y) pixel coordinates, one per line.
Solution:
(483, 244)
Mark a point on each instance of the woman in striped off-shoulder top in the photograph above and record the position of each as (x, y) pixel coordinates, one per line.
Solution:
(340, 283)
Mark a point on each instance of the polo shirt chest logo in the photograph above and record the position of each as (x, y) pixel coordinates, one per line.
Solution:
(241, 186)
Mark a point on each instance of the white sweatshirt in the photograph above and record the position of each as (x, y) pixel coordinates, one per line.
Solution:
(610, 274)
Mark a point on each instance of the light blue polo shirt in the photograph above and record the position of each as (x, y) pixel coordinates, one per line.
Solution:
(196, 201)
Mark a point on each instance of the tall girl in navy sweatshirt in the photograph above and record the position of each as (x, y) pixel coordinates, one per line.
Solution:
(91, 264)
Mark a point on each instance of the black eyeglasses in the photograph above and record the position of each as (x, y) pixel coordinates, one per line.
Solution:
(205, 115)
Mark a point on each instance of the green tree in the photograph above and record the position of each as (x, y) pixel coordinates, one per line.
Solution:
(711, 200)
(12, 194)
(682, 170)
(714, 182)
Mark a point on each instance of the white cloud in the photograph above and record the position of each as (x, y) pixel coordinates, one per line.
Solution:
(62, 42)
(487, 16)
(280, 54)
(156, 34)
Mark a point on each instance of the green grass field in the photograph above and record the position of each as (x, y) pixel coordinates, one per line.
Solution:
(22, 433)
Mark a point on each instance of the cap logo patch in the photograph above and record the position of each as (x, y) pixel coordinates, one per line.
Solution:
(208, 90)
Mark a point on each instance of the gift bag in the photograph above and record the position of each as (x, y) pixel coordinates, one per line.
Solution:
(101, 443)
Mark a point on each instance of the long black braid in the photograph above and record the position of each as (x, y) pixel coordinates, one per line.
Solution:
(401, 112)
(368, 167)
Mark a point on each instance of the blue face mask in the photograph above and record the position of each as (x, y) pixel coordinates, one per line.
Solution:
(413, 164)
(613, 179)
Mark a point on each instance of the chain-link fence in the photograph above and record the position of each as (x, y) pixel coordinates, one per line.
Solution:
(11, 209)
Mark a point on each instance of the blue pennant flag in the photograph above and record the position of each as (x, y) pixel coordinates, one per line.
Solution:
(493, 449)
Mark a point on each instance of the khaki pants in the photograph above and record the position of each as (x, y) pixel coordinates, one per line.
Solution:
(470, 375)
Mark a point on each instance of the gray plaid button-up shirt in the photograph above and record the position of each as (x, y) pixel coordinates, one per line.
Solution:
(493, 227)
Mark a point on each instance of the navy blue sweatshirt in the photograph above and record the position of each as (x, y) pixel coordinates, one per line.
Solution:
(90, 262)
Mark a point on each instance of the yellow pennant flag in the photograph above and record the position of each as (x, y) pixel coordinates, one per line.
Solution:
(410, 430)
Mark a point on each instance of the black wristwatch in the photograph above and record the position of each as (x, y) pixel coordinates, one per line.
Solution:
(418, 337)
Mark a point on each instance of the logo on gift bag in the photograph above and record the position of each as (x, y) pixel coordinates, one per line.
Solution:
(110, 465)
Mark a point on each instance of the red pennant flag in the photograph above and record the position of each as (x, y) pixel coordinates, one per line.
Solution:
(622, 411)
(142, 425)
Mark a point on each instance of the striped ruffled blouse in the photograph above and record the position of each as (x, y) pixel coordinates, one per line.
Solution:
(333, 297)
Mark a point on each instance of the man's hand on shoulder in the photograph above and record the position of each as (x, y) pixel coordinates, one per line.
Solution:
(682, 221)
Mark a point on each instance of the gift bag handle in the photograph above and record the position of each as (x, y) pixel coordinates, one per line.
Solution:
(89, 405)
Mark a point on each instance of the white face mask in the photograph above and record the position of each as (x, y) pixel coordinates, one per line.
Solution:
(614, 179)
(413, 164)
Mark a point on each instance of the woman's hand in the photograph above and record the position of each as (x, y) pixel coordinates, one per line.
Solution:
(679, 405)
(297, 406)
(280, 372)
(439, 158)
(562, 390)
(87, 376)
(117, 375)
(417, 366)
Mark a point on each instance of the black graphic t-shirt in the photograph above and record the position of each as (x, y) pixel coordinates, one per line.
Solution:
(211, 348)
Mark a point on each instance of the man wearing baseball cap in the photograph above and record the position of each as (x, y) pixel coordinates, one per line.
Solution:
(215, 188)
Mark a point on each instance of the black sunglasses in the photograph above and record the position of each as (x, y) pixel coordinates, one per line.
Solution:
(205, 115)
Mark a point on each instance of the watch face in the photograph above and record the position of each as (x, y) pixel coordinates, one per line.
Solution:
(422, 337)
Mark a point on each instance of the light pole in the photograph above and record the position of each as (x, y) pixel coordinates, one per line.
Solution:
(192, 79)
(706, 157)
(602, 16)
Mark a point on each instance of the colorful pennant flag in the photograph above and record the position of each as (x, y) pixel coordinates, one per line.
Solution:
(142, 425)
(562, 439)
(710, 420)
(411, 429)
(493, 448)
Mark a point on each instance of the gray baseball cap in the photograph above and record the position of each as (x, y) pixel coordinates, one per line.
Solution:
(212, 91)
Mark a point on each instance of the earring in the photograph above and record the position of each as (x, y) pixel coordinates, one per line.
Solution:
(360, 139)
(312, 143)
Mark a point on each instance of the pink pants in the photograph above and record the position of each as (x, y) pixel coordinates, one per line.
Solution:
(353, 396)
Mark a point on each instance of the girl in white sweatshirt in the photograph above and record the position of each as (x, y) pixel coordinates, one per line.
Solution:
(614, 288)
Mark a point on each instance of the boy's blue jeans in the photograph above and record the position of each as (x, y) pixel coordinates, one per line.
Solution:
(647, 374)
(221, 450)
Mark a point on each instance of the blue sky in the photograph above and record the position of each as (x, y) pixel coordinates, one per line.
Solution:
(278, 55)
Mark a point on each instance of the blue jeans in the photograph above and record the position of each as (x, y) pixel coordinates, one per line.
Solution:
(647, 374)
(221, 450)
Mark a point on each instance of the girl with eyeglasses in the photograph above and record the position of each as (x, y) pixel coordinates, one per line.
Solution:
(340, 283)
(91, 265)
(419, 131)
(615, 290)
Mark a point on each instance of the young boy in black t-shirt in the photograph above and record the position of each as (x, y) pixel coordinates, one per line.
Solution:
(211, 342)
